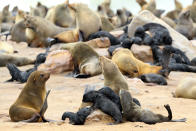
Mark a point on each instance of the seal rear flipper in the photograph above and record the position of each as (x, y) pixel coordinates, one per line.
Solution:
(34, 118)
(10, 80)
(179, 120)
(167, 107)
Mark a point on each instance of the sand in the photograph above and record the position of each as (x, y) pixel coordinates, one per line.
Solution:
(66, 95)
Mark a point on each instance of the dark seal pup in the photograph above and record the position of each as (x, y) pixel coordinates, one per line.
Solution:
(153, 78)
(22, 76)
(104, 104)
(133, 112)
(79, 117)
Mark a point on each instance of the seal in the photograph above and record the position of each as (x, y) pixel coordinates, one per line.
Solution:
(5, 59)
(134, 113)
(40, 30)
(31, 104)
(22, 76)
(79, 117)
(153, 78)
(85, 59)
(104, 104)
(185, 24)
(113, 78)
(186, 89)
(130, 65)
(158, 33)
(172, 59)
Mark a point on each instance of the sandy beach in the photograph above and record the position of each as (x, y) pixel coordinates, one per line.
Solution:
(66, 95)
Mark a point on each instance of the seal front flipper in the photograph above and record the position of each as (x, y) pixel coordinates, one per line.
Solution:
(45, 105)
(81, 76)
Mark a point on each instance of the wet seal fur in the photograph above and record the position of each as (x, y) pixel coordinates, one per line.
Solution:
(31, 104)
(134, 113)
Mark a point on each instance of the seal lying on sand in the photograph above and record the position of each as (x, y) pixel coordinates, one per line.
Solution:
(133, 112)
(130, 65)
(153, 78)
(31, 104)
(186, 89)
(5, 59)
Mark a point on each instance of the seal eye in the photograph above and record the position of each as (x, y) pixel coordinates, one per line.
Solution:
(41, 75)
(135, 71)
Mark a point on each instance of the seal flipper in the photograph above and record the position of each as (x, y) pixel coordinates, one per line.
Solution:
(34, 118)
(7, 33)
(179, 120)
(81, 76)
(45, 105)
(167, 107)
(81, 36)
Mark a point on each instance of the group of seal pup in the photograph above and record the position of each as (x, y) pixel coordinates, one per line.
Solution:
(69, 26)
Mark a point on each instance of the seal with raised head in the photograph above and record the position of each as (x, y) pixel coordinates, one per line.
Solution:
(31, 104)
(113, 78)
(134, 113)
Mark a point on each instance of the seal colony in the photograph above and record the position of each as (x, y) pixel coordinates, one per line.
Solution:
(75, 28)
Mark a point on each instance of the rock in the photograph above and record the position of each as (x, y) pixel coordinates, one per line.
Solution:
(98, 115)
(142, 52)
(117, 33)
(57, 62)
(102, 52)
(102, 42)
(179, 41)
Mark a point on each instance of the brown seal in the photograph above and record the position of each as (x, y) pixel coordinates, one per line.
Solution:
(31, 104)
